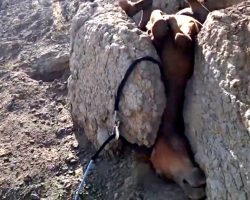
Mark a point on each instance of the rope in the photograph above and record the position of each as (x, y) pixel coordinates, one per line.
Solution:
(81, 185)
(115, 131)
(93, 158)
(202, 4)
(127, 74)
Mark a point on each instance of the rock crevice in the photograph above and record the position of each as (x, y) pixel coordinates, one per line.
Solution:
(218, 104)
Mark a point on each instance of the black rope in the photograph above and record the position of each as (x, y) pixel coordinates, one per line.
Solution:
(95, 156)
(116, 108)
(119, 92)
(127, 74)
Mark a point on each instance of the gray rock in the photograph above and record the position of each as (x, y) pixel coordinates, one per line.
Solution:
(104, 42)
(34, 196)
(218, 103)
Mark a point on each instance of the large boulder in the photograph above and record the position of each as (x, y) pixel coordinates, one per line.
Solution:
(217, 110)
(104, 42)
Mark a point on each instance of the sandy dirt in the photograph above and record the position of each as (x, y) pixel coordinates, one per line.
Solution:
(40, 158)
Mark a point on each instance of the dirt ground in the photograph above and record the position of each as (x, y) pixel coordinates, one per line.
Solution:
(39, 155)
(40, 158)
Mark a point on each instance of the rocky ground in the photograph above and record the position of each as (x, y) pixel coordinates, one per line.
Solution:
(37, 151)
(39, 156)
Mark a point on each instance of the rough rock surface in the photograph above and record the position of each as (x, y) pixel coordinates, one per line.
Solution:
(34, 35)
(215, 5)
(39, 157)
(104, 42)
(217, 111)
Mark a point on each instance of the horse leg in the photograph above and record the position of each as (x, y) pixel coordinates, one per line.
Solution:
(132, 8)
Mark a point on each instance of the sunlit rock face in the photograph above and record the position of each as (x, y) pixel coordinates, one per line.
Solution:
(104, 42)
(217, 108)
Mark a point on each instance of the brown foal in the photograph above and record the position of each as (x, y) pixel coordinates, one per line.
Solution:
(173, 37)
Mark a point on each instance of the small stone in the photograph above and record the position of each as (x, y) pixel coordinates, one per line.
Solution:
(78, 172)
(6, 160)
(62, 87)
(4, 152)
(34, 196)
(60, 109)
(69, 129)
(27, 178)
(116, 195)
(64, 169)
(32, 142)
(60, 131)
(247, 114)
(63, 119)
(121, 165)
(33, 110)
(71, 172)
(235, 83)
(64, 131)
(74, 145)
(67, 186)
(71, 159)
(108, 185)
(41, 101)
(10, 105)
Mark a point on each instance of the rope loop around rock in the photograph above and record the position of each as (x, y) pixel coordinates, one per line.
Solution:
(115, 134)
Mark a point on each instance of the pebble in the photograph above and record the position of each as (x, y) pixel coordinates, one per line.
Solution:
(108, 185)
(74, 145)
(116, 196)
(67, 186)
(247, 114)
(27, 178)
(60, 131)
(78, 172)
(32, 142)
(71, 172)
(60, 109)
(10, 105)
(66, 130)
(34, 196)
(6, 160)
(71, 159)
(63, 119)
(4, 152)
(41, 101)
